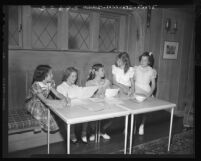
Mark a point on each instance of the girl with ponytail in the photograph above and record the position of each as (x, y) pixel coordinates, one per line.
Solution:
(97, 78)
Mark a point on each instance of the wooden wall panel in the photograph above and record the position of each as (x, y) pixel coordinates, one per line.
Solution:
(22, 64)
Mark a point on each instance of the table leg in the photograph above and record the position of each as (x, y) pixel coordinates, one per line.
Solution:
(96, 132)
(48, 131)
(68, 138)
(131, 133)
(99, 124)
(170, 131)
(126, 130)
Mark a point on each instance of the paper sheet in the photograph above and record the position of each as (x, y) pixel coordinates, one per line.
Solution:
(86, 92)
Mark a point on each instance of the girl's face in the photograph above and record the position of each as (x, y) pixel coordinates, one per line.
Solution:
(72, 78)
(144, 61)
(120, 63)
(100, 72)
(49, 76)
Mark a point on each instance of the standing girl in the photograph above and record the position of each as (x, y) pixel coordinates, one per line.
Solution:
(144, 77)
(122, 73)
(37, 102)
(69, 88)
(97, 78)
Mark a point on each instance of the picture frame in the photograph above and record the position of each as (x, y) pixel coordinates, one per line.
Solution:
(170, 50)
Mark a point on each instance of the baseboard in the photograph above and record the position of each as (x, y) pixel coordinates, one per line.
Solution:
(30, 140)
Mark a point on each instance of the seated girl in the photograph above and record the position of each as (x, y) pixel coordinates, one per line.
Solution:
(144, 77)
(68, 88)
(37, 102)
(122, 74)
(97, 78)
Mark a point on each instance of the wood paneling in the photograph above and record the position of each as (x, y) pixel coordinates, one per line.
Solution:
(22, 64)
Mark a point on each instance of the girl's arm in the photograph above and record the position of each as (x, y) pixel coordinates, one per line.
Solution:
(57, 94)
(50, 102)
(132, 89)
(125, 88)
(153, 85)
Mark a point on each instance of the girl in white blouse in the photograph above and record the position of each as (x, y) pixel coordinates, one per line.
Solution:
(144, 77)
(122, 74)
(69, 88)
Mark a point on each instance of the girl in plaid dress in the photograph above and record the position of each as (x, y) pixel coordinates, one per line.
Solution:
(37, 101)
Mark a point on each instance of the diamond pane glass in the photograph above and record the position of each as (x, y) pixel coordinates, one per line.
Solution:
(78, 31)
(44, 28)
(13, 26)
(108, 34)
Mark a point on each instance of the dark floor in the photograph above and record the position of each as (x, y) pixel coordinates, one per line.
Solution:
(153, 131)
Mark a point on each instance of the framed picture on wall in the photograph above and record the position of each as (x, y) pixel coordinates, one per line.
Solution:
(170, 50)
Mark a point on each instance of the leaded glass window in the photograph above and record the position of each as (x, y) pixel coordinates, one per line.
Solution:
(14, 26)
(109, 33)
(44, 28)
(79, 37)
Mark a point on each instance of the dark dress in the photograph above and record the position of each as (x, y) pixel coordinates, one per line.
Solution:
(37, 108)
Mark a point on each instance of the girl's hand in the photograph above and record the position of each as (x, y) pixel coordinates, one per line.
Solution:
(130, 93)
(148, 94)
(68, 101)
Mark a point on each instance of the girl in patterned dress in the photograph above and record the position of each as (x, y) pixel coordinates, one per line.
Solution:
(97, 78)
(145, 80)
(37, 101)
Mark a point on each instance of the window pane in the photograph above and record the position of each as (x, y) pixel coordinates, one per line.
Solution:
(108, 34)
(44, 28)
(13, 26)
(78, 31)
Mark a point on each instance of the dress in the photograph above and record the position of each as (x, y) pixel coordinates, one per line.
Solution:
(37, 108)
(121, 77)
(69, 91)
(143, 78)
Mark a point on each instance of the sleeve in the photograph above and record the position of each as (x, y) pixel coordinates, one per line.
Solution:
(36, 88)
(61, 90)
(114, 69)
(131, 72)
(134, 72)
(52, 84)
(154, 74)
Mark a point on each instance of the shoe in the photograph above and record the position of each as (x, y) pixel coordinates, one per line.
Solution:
(92, 138)
(141, 130)
(84, 139)
(105, 136)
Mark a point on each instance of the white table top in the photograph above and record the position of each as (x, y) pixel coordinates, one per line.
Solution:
(149, 105)
(78, 112)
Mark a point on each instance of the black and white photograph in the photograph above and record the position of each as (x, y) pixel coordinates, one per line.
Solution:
(100, 80)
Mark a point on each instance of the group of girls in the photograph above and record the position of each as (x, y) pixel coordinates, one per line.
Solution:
(130, 80)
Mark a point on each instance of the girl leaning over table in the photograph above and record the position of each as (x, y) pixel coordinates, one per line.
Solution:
(97, 78)
(145, 80)
(37, 101)
(122, 74)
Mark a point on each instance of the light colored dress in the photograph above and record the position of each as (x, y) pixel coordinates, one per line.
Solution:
(121, 77)
(37, 108)
(143, 77)
(69, 91)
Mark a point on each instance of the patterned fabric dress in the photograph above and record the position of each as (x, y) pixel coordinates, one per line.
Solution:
(37, 108)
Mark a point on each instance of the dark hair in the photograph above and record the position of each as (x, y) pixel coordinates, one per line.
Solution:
(125, 59)
(68, 72)
(41, 73)
(94, 68)
(150, 58)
